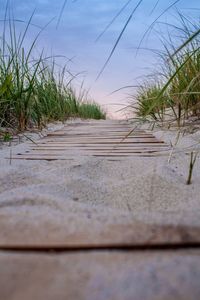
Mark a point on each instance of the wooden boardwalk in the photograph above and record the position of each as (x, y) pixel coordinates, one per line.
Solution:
(95, 139)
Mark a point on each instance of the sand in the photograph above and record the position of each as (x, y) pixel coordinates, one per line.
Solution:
(97, 201)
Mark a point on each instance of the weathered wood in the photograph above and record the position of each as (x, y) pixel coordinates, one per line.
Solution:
(90, 151)
(112, 275)
(61, 235)
(69, 157)
(98, 145)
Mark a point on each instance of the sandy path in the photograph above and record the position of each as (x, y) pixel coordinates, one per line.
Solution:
(99, 202)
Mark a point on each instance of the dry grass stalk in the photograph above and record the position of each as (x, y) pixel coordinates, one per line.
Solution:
(193, 157)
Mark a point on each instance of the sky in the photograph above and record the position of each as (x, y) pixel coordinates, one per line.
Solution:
(75, 37)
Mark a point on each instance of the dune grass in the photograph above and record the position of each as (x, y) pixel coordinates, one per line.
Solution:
(34, 91)
(90, 110)
(146, 95)
(176, 96)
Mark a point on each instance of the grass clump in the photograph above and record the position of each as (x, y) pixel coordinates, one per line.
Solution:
(176, 96)
(34, 91)
(146, 96)
(90, 110)
(7, 137)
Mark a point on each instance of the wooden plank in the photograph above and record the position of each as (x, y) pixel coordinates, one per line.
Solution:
(90, 150)
(141, 154)
(121, 145)
(104, 142)
(99, 149)
(116, 275)
(100, 138)
(97, 140)
(57, 157)
(48, 158)
(97, 135)
(62, 234)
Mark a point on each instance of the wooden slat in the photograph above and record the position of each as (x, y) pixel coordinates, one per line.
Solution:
(89, 152)
(99, 135)
(58, 157)
(101, 148)
(105, 142)
(131, 233)
(122, 145)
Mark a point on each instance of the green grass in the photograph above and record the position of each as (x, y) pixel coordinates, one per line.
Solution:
(146, 95)
(177, 94)
(90, 110)
(33, 91)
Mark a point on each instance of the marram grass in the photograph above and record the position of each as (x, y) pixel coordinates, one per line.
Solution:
(176, 96)
(32, 91)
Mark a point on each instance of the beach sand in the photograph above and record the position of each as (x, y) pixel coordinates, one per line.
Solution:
(100, 202)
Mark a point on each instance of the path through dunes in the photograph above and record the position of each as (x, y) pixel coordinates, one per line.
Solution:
(87, 214)
(96, 138)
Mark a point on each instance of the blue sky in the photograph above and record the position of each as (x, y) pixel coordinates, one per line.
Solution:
(82, 21)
